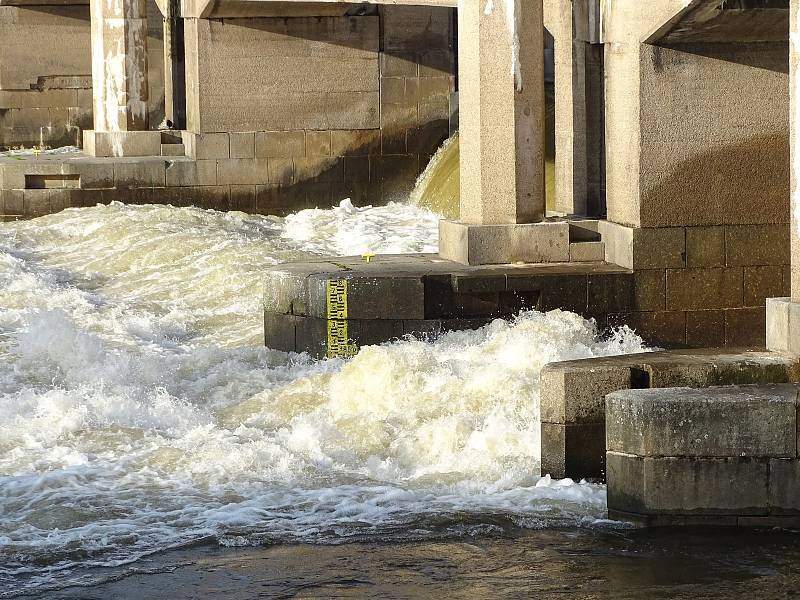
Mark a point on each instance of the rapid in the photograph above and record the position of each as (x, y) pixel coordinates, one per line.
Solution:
(139, 410)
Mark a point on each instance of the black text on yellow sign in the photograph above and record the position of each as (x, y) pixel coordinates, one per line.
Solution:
(339, 345)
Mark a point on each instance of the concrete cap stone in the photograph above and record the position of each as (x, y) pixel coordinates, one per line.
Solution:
(749, 420)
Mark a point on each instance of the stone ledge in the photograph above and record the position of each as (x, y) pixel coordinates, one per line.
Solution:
(783, 326)
(717, 422)
(122, 143)
(464, 243)
(394, 295)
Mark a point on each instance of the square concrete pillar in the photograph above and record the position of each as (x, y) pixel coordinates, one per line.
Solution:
(119, 77)
(783, 314)
(501, 111)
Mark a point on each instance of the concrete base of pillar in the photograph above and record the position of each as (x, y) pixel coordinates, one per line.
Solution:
(468, 244)
(122, 143)
(783, 326)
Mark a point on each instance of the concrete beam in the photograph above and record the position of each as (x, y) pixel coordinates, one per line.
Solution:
(718, 21)
(288, 8)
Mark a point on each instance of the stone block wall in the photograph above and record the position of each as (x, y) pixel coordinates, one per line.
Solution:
(698, 185)
(330, 107)
(45, 73)
(701, 286)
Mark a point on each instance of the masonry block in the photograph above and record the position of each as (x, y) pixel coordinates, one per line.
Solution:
(705, 247)
(764, 282)
(242, 171)
(686, 486)
(573, 450)
(318, 143)
(281, 171)
(713, 422)
(659, 248)
(206, 146)
(181, 173)
(705, 328)
(392, 297)
(659, 328)
(649, 290)
(242, 144)
(751, 245)
(355, 142)
(783, 326)
(587, 252)
(745, 327)
(280, 144)
(135, 174)
(122, 143)
(576, 394)
(503, 244)
(784, 485)
(696, 289)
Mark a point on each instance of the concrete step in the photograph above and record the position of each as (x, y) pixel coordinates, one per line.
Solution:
(587, 252)
(173, 150)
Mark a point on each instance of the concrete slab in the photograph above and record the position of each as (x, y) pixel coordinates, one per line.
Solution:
(470, 244)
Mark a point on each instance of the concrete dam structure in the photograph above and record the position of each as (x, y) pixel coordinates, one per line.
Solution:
(675, 209)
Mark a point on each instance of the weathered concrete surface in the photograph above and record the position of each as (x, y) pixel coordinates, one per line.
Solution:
(393, 296)
(119, 65)
(668, 149)
(716, 422)
(502, 138)
(720, 452)
(470, 244)
(574, 392)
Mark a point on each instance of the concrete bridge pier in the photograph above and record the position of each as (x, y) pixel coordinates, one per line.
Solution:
(502, 132)
(119, 81)
(783, 314)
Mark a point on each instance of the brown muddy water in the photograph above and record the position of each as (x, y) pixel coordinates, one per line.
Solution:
(571, 563)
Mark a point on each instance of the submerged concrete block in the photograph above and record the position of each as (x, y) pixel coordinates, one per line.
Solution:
(572, 449)
(681, 486)
(502, 244)
(714, 422)
(576, 394)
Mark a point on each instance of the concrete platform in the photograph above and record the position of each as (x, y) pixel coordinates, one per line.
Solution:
(718, 456)
(573, 405)
(333, 306)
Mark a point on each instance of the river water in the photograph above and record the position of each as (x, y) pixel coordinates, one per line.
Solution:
(140, 412)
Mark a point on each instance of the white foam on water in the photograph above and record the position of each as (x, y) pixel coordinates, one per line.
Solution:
(139, 412)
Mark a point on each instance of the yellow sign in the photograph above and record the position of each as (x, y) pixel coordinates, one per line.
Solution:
(339, 345)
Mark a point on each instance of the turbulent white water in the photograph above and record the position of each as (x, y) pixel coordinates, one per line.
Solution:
(139, 412)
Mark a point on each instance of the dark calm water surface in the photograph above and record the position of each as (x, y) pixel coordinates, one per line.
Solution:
(575, 563)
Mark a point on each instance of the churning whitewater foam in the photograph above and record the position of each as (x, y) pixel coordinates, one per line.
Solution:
(138, 411)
